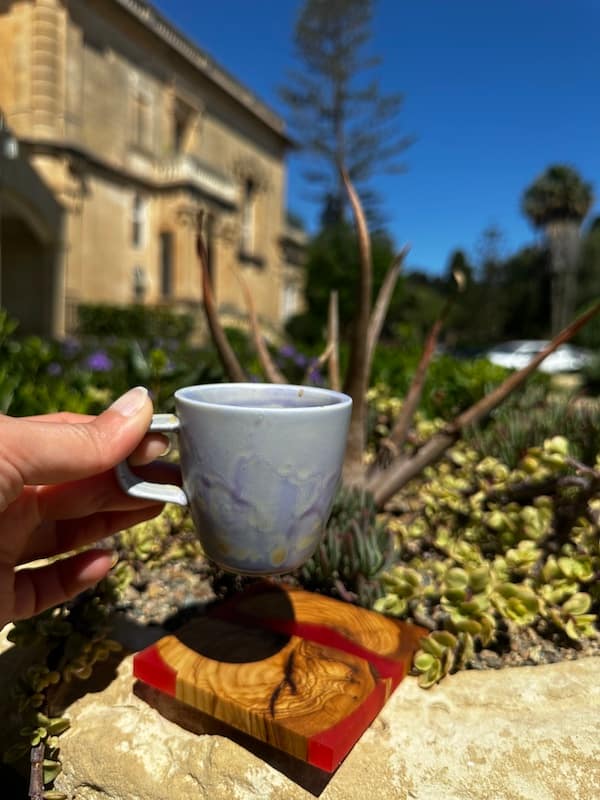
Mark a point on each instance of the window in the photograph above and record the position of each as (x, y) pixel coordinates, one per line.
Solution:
(248, 217)
(179, 134)
(140, 284)
(141, 118)
(139, 217)
(290, 300)
(184, 119)
(166, 264)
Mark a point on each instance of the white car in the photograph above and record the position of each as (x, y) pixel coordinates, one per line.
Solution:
(517, 354)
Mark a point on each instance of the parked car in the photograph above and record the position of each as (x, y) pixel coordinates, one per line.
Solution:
(517, 354)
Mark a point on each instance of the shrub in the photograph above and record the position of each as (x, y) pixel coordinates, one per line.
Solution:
(451, 385)
(84, 374)
(136, 321)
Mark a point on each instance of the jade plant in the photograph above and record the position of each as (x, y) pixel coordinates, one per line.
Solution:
(168, 537)
(487, 554)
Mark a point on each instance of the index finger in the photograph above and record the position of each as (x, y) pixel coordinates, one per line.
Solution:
(38, 451)
(70, 417)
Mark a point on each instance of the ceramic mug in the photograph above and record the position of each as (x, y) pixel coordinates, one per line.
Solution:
(260, 465)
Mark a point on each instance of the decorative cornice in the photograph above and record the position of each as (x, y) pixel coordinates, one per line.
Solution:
(164, 177)
(152, 19)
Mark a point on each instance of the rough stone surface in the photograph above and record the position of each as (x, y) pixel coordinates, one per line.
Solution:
(530, 733)
(526, 733)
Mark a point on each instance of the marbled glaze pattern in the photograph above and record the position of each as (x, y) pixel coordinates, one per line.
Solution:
(256, 512)
(261, 480)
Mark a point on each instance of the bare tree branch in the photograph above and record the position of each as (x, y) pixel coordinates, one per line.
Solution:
(399, 433)
(228, 359)
(333, 338)
(382, 303)
(318, 363)
(268, 365)
(36, 772)
(357, 377)
(486, 404)
(386, 483)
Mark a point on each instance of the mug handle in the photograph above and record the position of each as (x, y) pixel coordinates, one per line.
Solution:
(137, 487)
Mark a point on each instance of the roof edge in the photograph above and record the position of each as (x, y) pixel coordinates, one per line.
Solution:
(156, 22)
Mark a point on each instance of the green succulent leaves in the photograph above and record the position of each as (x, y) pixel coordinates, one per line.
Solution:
(487, 527)
(356, 548)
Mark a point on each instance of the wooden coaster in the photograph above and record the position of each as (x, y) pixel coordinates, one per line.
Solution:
(300, 671)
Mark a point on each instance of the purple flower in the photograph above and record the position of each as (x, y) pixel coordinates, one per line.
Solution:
(54, 369)
(287, 351)
(99, 362)
(315, 376)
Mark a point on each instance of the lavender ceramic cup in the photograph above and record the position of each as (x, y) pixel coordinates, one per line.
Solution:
(260, 464)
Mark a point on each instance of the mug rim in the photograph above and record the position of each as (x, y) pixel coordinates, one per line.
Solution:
(335, 399)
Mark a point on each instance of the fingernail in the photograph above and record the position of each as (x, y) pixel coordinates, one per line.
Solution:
(131, 402)
(115, 560)
(160, 448)
(157, 446)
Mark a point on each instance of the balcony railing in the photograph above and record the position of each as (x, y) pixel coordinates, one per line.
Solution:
(186, 169)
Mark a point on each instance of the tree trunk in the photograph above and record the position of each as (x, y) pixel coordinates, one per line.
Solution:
(564, 243)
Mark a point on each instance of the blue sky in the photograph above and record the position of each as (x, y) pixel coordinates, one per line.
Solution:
(495, 91)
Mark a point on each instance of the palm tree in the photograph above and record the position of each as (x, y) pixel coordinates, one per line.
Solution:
(557, 202)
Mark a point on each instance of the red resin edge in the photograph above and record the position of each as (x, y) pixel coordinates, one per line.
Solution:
(327, 749)
(395, 669)
(322, 634)
(149, 666)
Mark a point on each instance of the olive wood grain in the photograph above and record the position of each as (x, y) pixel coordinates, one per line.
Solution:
(302, 672)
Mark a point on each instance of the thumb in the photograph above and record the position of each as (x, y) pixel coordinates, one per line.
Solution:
(41, 452)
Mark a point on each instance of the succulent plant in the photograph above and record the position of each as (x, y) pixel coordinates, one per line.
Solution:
(67, 641)
(402, 585)
(517, 602)
(482, 555)
(441, 652)
(356, 547)
(467, 603)
(573, 618)
(167, 537)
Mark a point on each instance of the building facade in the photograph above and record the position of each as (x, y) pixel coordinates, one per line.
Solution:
(118, 132)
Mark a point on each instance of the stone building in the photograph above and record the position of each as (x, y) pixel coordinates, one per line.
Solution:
(117, 131)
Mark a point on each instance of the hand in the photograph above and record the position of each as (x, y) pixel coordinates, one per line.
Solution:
(58, 493)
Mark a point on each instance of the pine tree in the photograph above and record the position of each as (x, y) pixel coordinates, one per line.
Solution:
(338, 113)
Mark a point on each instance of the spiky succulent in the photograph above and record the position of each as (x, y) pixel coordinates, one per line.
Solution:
(356, 547)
